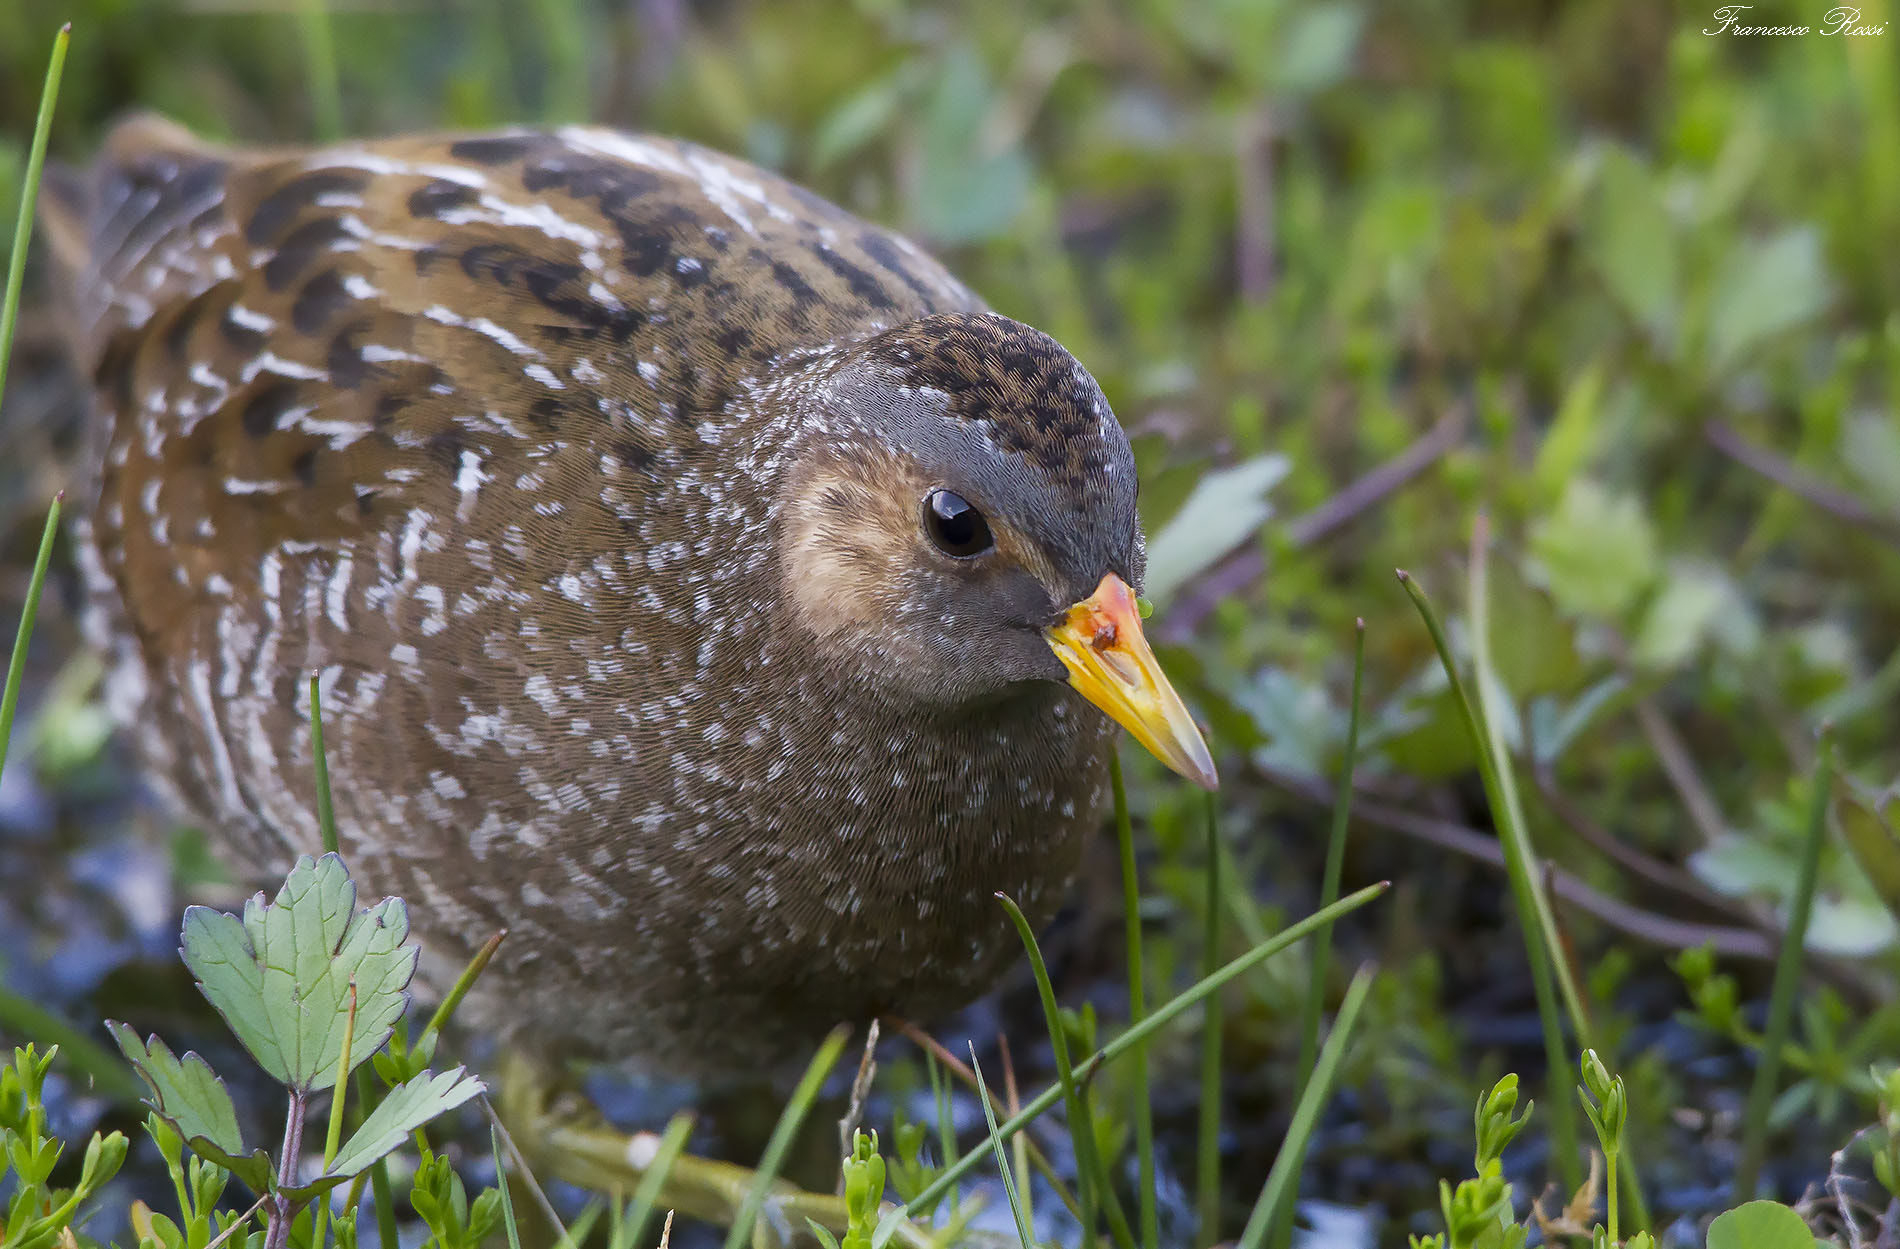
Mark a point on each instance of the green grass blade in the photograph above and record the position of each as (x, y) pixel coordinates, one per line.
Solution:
(1761, 1094)
(1024, 1232)
(1335, 865)
(1535, 919)
(508, 1223)
(1275, 1203)
(463, 983)
(1090, 1174)
(781, 1139)
(382, 1197)
(105, 1069)
(1329, 892)
(16, 666)
(319, 58)
(1207, 1134)
(1137, 1011)
(326, 813)
(565, 97)
(9, 318)
(29, 195)
(647, 1195)
(1137, 1035)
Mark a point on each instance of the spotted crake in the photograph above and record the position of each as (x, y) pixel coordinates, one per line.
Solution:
(701, 584)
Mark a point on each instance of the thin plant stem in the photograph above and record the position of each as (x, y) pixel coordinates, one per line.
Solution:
(1322, 951)
(781, 1139)
(277, 1234)
(1207, 1137)
(564, 48)
(16, 666)
(319, 55)
(29, 194)
(1150, 1214)
(647, 1194)
(1019, 1144)
(1335, 865)
(326, 813)
(1275, 1201)
(1139, 1034)
(1761, 1094)
(1609, 1192)
(381, 1195)
(333, 1136)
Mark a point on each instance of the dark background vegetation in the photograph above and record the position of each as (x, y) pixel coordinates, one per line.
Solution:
(1626, 289)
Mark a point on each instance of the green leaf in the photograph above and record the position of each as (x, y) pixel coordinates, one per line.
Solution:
(858, 119)
(1635, 246)
(193, 1100)
(1871, 829)
(406, 1107)
(1760, 1225)
(1573, 437)
(966, 188)
(1598, 550)
(281, 978)
(1224, 510)
(1696, 602)
(1317, 48)
(1870, 450)
(1767, 289)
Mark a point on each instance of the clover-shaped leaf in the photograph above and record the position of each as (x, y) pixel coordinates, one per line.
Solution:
(193, 1100)
(1760, 1225)
(281, 977)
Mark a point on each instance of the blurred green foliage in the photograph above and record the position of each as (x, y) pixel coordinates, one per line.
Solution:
(1654, 272)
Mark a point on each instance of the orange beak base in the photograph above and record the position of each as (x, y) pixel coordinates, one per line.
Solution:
(1099, 640)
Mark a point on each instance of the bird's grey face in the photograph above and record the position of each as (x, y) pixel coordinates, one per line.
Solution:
(967, 524)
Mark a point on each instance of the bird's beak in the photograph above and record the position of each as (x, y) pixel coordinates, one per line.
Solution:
(1099, 641)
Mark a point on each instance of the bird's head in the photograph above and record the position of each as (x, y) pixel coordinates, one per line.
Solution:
(967, 524)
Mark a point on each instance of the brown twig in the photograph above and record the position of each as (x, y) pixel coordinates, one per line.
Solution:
(1660, 930)
(1681, 770)
(1356, 498)
(1799, 482)
(1626, 856)
(961, 1070)
(1254, 260)
(860, 1092)
(1656, 929)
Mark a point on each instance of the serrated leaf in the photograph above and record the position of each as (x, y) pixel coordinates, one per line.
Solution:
(191, 1098)
(1760, 1225)
(1873, 838)
(281, 977)
(1227, 506)
(406, 1107)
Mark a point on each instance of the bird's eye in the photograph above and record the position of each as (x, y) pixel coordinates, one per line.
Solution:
(956, 527)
